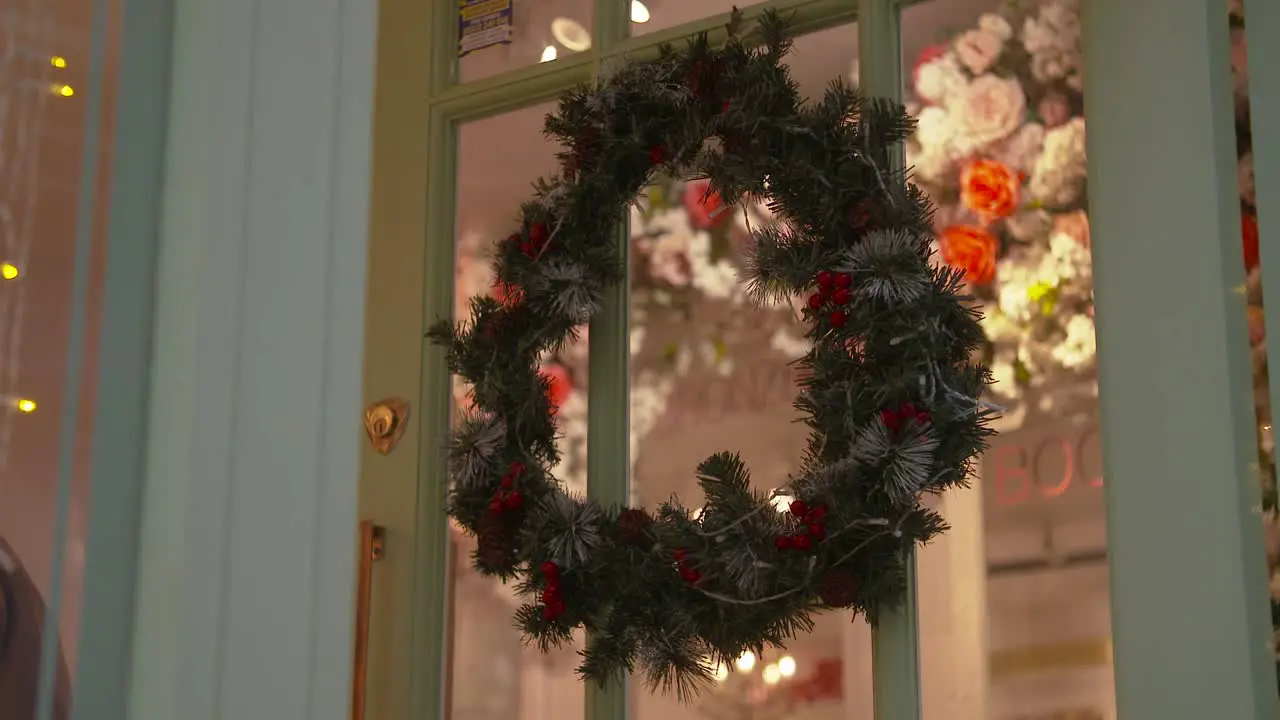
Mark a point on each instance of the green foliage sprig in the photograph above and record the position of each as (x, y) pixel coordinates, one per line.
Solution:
(888, 390)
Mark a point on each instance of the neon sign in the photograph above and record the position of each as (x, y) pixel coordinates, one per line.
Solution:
(1046, 466)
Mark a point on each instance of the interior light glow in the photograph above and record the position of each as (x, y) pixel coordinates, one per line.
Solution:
(8, 271)
(60, 62)
(570, 34)
(639, 13)
(549, 53)
(771, 675)
(63, 90)
(722, 673)
(746, 661)
(787, 666)
(25, 405)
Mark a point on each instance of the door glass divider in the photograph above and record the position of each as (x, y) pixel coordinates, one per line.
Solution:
(895, 639)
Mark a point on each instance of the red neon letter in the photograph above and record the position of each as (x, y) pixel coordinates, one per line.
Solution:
(1068, 470)
(1011, 467)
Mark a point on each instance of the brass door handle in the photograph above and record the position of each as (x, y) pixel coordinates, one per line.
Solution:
(372, 538)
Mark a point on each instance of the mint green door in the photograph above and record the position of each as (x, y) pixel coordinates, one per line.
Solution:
(1184, 552)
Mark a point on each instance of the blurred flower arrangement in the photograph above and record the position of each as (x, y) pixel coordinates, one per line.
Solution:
(1000, 147)
(688, 312)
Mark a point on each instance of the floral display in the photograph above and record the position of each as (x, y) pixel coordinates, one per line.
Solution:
(1000, 146)
(689, 312)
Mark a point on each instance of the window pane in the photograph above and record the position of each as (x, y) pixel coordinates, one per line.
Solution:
(651, 15)
(710, 373)
(44, 57)
(538, 32)
(1249, 209)
(494, 676)
(1015, 613)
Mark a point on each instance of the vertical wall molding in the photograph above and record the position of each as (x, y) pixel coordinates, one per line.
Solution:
(1180, 455)
(248, 558)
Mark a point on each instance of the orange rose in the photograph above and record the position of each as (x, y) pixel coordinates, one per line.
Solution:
(971, 249)
(989, 188)
(1249, 235)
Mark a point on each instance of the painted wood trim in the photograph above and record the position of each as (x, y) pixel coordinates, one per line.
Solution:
(250, 507)
(1180, 456)
(895, 640)
(431, 632)
(124, 361)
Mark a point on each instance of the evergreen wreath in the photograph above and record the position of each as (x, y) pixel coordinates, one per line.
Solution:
(888, 389)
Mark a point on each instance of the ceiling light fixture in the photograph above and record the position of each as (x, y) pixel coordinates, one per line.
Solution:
(639, 13)
(570, 34)
(549, 53)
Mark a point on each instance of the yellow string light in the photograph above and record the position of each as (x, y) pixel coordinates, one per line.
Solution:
(63, 90)
(58, 61)
(8, 271)
(25, 405)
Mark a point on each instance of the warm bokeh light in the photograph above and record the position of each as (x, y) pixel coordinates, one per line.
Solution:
(722, 673)
(639, 13)
(25, 405)
(58, 61)
(771, 675)
(8, 271)
(746, 662)
(63, 90)
(787, 666)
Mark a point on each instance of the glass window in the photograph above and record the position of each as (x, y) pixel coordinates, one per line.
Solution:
(47, 228)
(1000, 149)
(711, 372)
(652, 15)
(494, 675)
(496, 36)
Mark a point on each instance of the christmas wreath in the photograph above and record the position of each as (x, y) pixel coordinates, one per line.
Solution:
(887, 388)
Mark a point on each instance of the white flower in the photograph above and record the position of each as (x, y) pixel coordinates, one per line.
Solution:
(1052, 38)
(1079, 348)
(1059, 173)
(978, 50)
(939, 80)
(995, 24)
(788, 344)
(1005, 378)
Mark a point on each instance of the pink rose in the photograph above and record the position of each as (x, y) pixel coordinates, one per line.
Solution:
(988, 110)
(978, 50)
(1074, 225)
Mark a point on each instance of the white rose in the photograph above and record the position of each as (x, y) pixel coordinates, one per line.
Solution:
(978, 50)
(939, 80)
(1060, 171)
(996, 25)
(990, 109)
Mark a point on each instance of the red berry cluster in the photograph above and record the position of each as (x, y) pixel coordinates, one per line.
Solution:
(812, 529)
(894, 419)
(507, 497)
(552, 604)
(833, 293)
(689, 573)
(533, 244)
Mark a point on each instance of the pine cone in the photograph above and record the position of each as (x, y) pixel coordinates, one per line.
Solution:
(838, 588)
(634, 527)
(496, 543)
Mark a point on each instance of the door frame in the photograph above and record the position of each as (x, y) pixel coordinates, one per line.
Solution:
(410, 669)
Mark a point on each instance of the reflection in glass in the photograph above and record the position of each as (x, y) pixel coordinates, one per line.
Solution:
(494, 676)
(539, 31)
(46, 228)
(1000, 149)
(652, 15)
(711, 371)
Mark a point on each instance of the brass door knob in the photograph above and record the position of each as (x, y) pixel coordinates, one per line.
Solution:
(385, 422)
